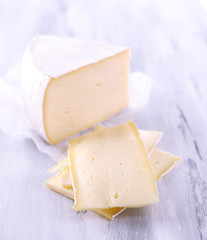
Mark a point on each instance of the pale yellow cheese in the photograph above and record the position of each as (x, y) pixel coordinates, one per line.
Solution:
(149, 138)
(113, 159)
(165, 163)
(91, 94)
(162, 162)
(62, 164)
(56, 183)
(66, 178)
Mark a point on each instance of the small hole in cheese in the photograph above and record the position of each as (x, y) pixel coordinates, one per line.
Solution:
(116, 195)
(68, 187)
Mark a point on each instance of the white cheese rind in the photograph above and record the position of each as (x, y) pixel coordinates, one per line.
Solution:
(69, 54)
(34, 84)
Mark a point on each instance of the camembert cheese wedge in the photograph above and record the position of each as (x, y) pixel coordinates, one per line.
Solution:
(70, 84)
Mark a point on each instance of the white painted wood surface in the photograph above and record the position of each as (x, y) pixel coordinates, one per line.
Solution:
(169, 42)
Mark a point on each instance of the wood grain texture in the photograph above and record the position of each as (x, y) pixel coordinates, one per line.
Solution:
(169, 42)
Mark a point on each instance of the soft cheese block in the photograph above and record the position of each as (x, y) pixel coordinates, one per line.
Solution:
(113, 159)
(162, 163)
(70, 84)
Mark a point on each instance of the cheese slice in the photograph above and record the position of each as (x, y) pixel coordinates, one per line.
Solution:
(70, 84)
(149, 138)
(162, 162)
(113, 159)
(62, 164)
(164, 165)
(56, 183)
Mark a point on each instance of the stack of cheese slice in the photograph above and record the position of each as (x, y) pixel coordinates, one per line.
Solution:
(111, 169)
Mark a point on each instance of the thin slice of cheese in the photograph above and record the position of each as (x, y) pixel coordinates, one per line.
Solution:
(56, 183)
(162, 162)
(113, 159)
(59, 166)
(66, 178)
(70, 84)
(164, 165)
(149, 138)
(62, 164)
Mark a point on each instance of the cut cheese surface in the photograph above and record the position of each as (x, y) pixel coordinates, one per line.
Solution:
(113, 159)
(149, 138)
(66, 178)
(166, 161)
(71, 84)
(78, 100)
(69, 53)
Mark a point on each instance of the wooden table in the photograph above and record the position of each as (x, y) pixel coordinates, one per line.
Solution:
(169, 43)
